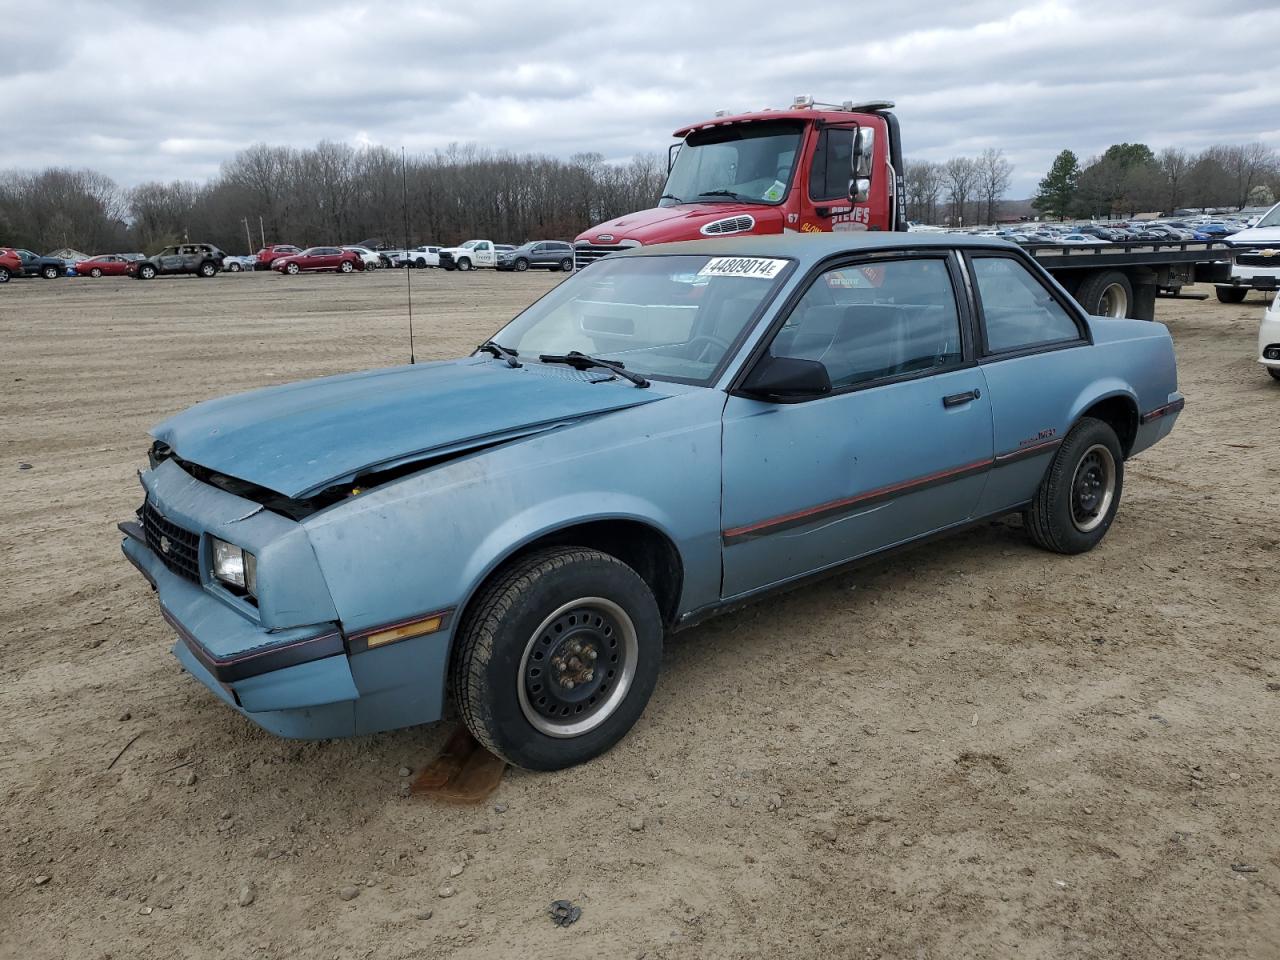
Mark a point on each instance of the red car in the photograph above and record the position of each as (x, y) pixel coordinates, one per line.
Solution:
(10, 264)
(107, 265)
(320, 258)
(268, 255)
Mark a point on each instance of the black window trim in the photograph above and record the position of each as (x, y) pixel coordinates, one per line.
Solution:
(964, 318)
(820, 145)
(1084, 336)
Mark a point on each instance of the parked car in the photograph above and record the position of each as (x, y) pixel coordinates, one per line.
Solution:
(372, 261)
(238, 264)
(32, 264)
(674, 432)
(10, 264)
(548, 254)
(268, 255)
(420, 257)
(1269, 338)
(1080, 238)
(469, 256)
(106, 265)
(183, 259)
(316, 259)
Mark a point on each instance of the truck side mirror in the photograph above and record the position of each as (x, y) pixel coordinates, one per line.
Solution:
(787, 378)
(862, 164)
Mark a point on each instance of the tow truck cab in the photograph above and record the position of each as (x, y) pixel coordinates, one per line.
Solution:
(811, 168)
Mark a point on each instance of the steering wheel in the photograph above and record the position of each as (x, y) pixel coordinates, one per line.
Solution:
(708, 343)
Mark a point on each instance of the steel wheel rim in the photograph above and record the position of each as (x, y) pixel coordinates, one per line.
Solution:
(1115, 301)
(611, 633)
(1093, 488)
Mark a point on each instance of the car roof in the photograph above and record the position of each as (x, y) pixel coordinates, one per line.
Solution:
(812, 247)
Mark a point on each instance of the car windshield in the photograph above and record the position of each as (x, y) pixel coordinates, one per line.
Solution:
(674, 317)
(1271, 218)
(752, 162)
(469, 244)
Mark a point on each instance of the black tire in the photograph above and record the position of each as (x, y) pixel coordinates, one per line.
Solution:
(1105, 293)
(566, 264)
(95, 273)
(421, 263)
(4, 274)
(464, 264)
(347, 266)
(521, 265)
(1275, 374)
(234, 268)
(207, 269)
(147, 271)
(1073, 509)
(524, 619)
(1232, 294)
(50, 273)
(292, 269)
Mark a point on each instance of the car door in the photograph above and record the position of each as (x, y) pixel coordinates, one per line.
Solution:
(483, 254)
(899, 448)
(1033, 350)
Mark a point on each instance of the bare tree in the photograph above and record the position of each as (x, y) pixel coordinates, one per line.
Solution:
(960, 178)
(994, 174)
(1175, 165)
(924, 184)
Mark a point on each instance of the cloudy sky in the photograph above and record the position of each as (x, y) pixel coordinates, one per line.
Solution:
(143, 90)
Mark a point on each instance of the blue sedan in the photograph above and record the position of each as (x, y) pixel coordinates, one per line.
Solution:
(672, 433)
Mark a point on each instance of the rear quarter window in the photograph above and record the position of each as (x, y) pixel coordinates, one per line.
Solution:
(1018, 311)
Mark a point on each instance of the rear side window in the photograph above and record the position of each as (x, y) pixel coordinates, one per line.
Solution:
(876, 321)
(1018, 311)
(832, 165)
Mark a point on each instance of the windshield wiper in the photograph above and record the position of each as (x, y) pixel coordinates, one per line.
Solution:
(670, 196)
(723, 193)
(501, 352)
(581, 361)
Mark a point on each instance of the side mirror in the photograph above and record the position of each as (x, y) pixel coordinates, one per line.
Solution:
(787, 378)
(862, 164)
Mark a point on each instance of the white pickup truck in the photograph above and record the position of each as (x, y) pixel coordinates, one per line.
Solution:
(424, 256)
(470, 255)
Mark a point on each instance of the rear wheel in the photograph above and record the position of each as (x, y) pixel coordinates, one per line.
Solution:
(4, 274)
(1080, 493)
(420, 263)
(566, 264)
(1232, 294)
(1105, 293)
(95, 273)
(557, 657)
(234, 267)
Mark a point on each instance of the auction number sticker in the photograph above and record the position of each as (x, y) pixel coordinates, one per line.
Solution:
(764, 268)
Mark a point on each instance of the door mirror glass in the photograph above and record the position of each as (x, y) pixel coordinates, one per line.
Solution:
(787, 378)
(864, 149)
(860, 189)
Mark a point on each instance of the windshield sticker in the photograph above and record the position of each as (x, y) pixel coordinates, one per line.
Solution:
(762, 268)
(855, 278)
(776, 191)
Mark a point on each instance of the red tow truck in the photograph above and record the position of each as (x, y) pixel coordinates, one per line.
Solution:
(816, 167)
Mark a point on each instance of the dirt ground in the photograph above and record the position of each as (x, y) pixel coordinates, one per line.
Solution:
(972, 750)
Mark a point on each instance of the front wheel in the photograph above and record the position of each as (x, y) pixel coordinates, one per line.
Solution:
(4, 274)
(1077, 500)
(234, 268)
(522, 265)
(49, 273)
(1232, 294)
(207, 270)
(292, 269)
(346, 266)
(1275, 374)
(147, 272)
(557, 657)
(95, 273)
(566, 264)
(464, 264)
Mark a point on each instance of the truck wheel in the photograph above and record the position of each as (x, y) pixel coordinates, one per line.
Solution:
(1232, 294)
(147, 271)
(95, 273)
(420, 263)
(464, 264)
(346, 266)
(521, 265)
(566, 264)
(1080, 492)
(49, 273)
(1105, 293)
(207, 270)
(557, 657)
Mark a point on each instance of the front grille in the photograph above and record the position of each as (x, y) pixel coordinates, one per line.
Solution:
(446, 259)
(737, 224)
(177, 547)
(1258, 260)
(588, 253)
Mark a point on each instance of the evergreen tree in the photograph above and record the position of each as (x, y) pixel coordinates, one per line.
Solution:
(1058, 188)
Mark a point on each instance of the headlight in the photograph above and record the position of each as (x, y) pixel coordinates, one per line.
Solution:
(235, 566)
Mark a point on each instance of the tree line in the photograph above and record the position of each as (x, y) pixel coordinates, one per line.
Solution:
(1129, 178)
(332, 193)
(959, 191)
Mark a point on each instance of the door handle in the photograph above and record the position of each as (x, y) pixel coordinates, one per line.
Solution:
(955, 399)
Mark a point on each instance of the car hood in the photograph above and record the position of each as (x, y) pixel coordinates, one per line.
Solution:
(298, 438)
(680, 222)
(1255, 237)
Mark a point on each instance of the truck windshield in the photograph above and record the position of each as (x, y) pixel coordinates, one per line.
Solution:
(751, 162)
(669, 317)
(1271, 218)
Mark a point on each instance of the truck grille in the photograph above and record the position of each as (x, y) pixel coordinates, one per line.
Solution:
(1258, 260)
(587, 253)
(446, 259)
(177, 547)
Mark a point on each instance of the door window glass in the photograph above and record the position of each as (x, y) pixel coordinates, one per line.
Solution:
(1017, 309)
(832, 165)
(875, 320)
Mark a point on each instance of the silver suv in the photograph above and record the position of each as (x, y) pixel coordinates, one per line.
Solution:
(195, 259)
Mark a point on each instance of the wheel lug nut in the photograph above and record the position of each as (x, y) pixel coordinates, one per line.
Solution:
(591, 654)
(568, 684)
(589, 677)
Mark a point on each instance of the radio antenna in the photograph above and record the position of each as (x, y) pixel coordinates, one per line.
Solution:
(408, 273)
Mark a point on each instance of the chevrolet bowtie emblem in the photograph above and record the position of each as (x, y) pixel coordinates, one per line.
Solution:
(1269, 252)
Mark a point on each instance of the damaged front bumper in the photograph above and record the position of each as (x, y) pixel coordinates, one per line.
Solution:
(284, 663)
